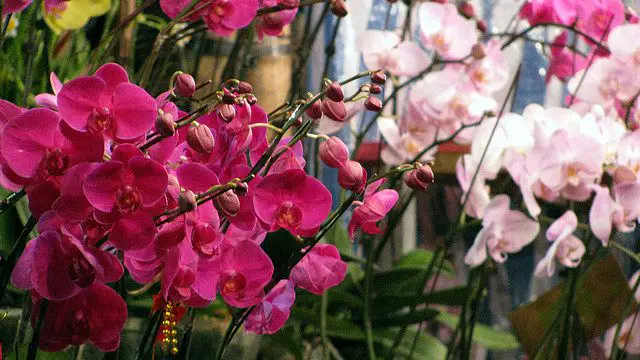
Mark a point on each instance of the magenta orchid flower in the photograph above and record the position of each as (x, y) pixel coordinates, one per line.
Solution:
(503, 231)
(14, 6)
(292, 200)
(271, 314)
(123, 188)
(319, 270)
(564, 63)
(97, 314)
(598, 17)
(244, 270)
(50, 100)
(385, 50)
(549, 11)
(60, 266)
(445, 31)
(107, 103)
(272, 24)
(222, 17)
(374, 207)
(565, 247)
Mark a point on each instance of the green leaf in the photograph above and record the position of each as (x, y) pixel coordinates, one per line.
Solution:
(412, 317)
(288, 339)
(389, 303)
(427, 346)
(41, 355)
(336, 327)
(398, 281)
(420, 259)
(483, 334)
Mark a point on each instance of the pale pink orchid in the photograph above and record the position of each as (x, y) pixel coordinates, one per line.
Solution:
(624, 44)
(445, 31)
(385, 50)
(503, 231)
(628, 154)
(490, 73)
(629, 336)
(405, 145)
(622, 210)
(606, 81)
(565, 247)
(479, 193)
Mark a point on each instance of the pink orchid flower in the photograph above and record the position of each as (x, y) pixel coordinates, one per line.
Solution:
(620, 211)
(385, 50)
(271, 314)
(479, 193)
(50, 100)
(319, 270)
(503, 231)
(374, 207)
(624, 44)
(244, 270)
(292, 200)
(598, 17)
(607, 81)
(628, 154)
(14, 6)
(272, 24)
(97, 314)
(490, 73)
(123, 188)
(564, 63)
(107, 103)
(549, 11)
(7, 112)
(222, 17)
(61, 266)
(565, 247)
(445, 31)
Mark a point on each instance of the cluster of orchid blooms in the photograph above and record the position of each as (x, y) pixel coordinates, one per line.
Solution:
(119, 180)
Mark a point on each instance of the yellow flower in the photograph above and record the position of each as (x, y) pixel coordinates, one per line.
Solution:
(74, 14)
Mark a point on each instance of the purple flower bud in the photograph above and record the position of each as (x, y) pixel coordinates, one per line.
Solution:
(228, 97)
(333, 152)
(241, 189)
(187, 201)
(251, 99)
(412, 181)
(481, 25)
(373, 104)
(185, 85)
(352, 176)
(228, 203)
(424, 173)
(315, 110)
(244, 87)
(334, 110)
(467, 10)
(200, 139)
(227, 112)
(378, 77)
(334, 92)
(339, 8)
(419, 178)
(375, 89)
(165, 126)
(478, 51)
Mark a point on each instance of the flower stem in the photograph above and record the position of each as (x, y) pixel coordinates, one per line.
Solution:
(35, 338)
(630, 253)
(11, 200)
(371, 351)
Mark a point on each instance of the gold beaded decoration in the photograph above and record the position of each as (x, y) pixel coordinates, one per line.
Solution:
(169, 340)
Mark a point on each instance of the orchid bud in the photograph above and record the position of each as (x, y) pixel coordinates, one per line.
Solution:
(333, 152)
(241, 188)
(352, 176)
(378, 77)
(200, 139)
(228, 97)
(334, 92)
(185, 85)
(375, 89)
(228, 203)
(478, 51)
(373, 104)
(244, 87)
(334, 110)
(315, 110)
(424, 173)
(467, 10)
(226, 112)
(165, 126)
(411, 180)
(481, 25)
(339, 8)
(631, 16)
(187, 201)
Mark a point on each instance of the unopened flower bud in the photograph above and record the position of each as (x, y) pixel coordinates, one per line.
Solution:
(424, 173)
(375, 89)
(228, 97)
(378, 77)
(334, 92)
(165, 126)
(200, 139)
(478, 51)
(419, 178)
(251, 99)
(481, 25)
(333, 152)
(187, 201)
(373, 104)
(228, 203)
(315, 110)
(241, 188)
(244, 87)
(226, 112)
(185, 85)
(467, 10)
(352, 176)
(334, 110)
(339, 8)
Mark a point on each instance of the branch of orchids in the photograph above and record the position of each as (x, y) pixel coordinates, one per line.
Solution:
(32, 351)
(187, 119)
(571, 28)
(11, 200)
(10, 262)
(277, 8)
